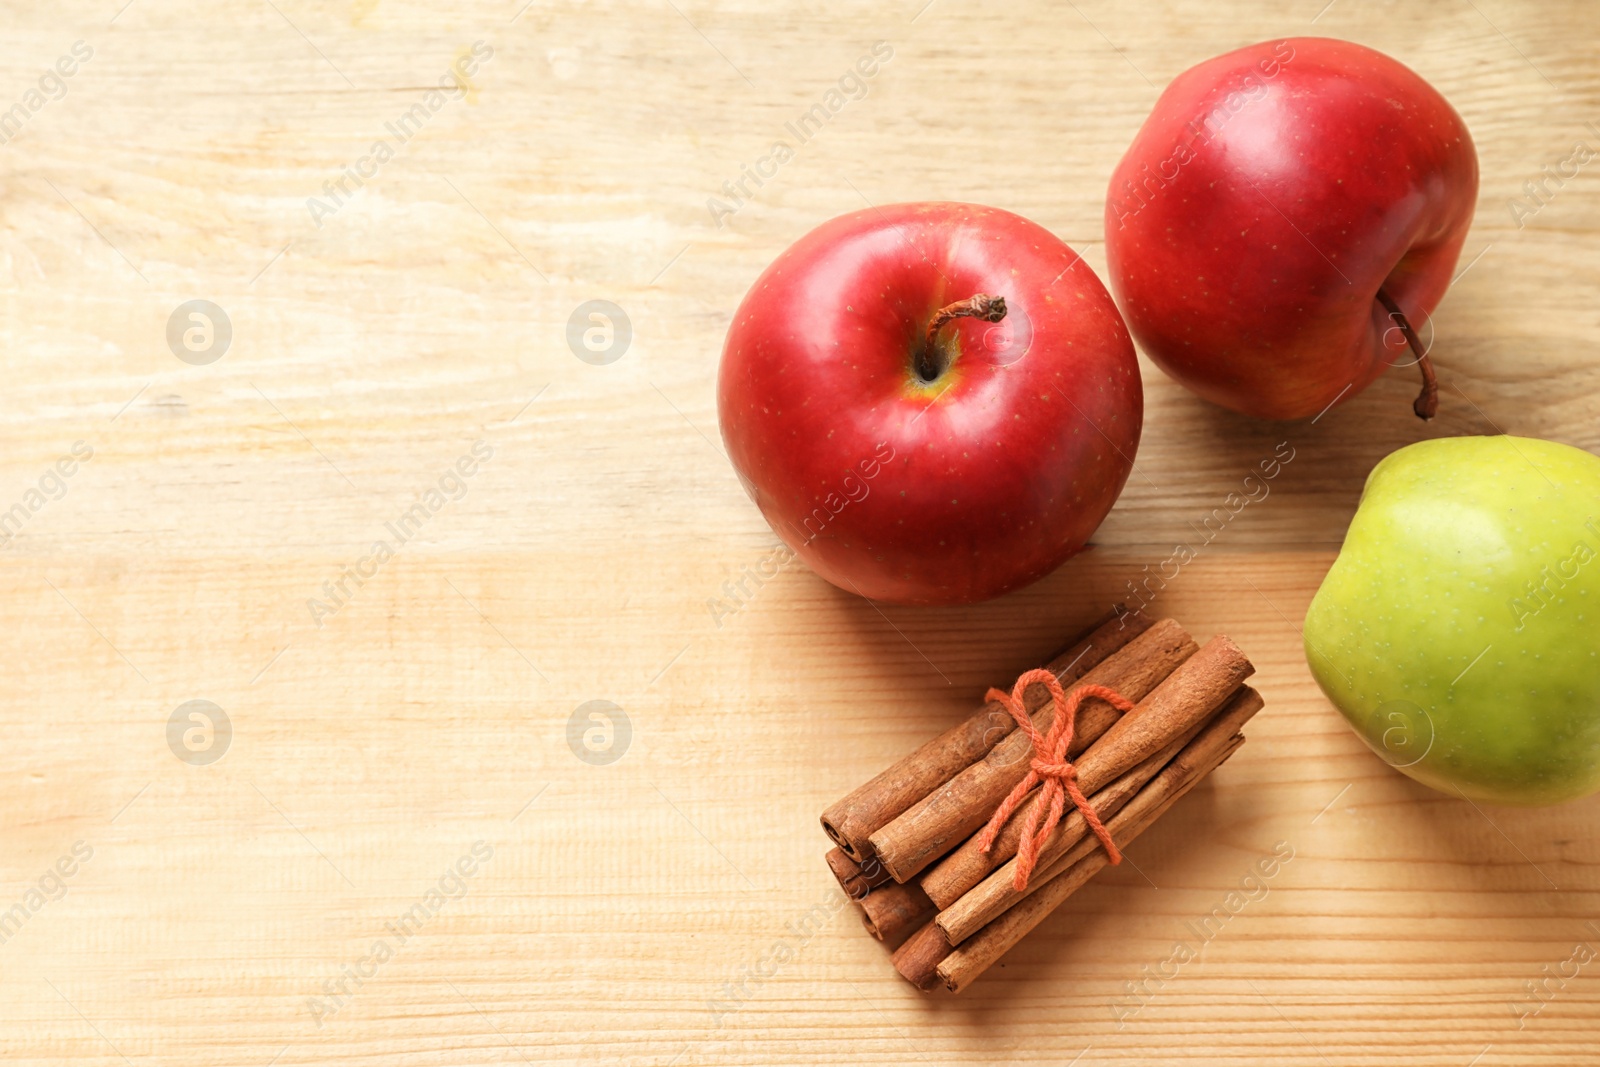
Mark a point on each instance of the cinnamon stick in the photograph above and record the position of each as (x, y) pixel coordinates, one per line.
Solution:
(856, 879)
(852, 820)
(959, 872)
(997, 893)
(1196, 681)
(918, 959)
(930, 827)
(890, 912)
(975, 955)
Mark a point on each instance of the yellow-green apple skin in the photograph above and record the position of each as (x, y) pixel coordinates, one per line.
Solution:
(1459, 629)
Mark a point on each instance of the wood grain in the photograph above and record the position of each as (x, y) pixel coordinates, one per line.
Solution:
(671, 907)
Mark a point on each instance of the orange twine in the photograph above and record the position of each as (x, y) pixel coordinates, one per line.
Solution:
(1050, 766)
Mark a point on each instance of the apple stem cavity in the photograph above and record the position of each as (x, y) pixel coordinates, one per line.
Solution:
(1427, 403)
(930, 360)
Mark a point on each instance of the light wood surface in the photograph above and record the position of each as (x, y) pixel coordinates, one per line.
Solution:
(431, 711)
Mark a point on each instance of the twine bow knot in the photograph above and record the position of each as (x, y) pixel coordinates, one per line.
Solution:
(1050, 766)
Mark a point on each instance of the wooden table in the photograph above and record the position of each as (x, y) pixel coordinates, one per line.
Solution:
(628, 908)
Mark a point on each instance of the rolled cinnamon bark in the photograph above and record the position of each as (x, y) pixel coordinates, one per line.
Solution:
(856, 879)
(997, 893)
(967, 865)
(929, 828)
(852, 820)
(918, 959)
(978, 953)
(890, 912)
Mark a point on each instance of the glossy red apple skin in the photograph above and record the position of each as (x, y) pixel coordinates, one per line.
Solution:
(952, 491)
(1247, 256)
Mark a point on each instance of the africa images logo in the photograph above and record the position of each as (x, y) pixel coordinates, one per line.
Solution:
(451, 486)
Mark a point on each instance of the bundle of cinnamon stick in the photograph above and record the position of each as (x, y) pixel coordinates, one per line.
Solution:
(907, 842)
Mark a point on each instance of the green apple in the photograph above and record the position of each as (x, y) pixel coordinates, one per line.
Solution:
(1459, 629)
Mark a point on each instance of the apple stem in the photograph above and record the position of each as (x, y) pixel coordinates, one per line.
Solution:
(1427, 403)
(982, 306)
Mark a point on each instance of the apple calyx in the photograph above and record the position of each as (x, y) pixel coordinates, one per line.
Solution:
(930, 361)
(1427, 403)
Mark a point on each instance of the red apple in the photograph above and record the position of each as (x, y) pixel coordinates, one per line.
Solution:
(1285, 215)
(930, 403)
